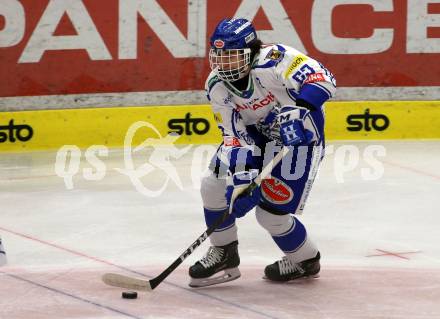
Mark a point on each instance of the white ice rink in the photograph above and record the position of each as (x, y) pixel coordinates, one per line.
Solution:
(379, 240)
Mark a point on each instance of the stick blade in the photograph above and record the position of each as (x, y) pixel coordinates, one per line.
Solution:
(121, 281)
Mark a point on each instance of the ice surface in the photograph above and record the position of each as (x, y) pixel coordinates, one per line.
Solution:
(379, 240)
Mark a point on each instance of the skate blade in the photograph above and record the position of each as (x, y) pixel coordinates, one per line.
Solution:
(297, 279)
(227, 275)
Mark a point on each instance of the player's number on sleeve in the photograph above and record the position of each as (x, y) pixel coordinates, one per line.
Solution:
(302, 73)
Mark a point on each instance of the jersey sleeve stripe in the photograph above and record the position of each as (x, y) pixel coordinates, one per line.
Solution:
(292, 94)
(212, 83)
(314, 94)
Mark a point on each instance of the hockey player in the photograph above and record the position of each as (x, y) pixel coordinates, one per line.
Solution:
(263, 97)
(2, 254)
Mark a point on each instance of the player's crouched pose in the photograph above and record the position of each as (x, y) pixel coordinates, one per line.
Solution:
(263, 97)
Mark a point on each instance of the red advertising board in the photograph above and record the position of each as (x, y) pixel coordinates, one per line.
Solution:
(89, 46)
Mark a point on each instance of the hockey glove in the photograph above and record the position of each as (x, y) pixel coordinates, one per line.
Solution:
(244, 202)
(292, 131)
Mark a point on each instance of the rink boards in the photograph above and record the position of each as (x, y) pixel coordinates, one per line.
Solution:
(195, 124)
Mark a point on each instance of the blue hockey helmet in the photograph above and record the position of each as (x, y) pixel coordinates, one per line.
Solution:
(233, 34)
(230, 52)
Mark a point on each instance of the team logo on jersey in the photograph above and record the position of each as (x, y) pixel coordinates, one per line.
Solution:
(315, 77)
(219, 44)
(228, 99)
(276, 191)
(275, 55)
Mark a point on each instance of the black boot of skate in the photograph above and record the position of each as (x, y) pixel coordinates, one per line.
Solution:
(285, 270)
(225, 259)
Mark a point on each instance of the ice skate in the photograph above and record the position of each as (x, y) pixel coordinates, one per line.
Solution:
(219, 265)
(286, 270)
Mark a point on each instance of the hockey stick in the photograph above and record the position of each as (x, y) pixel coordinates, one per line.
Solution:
(128, 282)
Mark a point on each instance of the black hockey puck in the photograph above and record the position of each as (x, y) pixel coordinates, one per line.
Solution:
(129, 295)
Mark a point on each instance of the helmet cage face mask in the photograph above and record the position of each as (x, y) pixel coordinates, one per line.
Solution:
(230, 65)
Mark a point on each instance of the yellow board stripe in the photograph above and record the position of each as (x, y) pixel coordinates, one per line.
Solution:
(367, 120)
(108, 126)
(51, 129)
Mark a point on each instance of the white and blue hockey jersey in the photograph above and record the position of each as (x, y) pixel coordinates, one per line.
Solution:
(280, 76)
